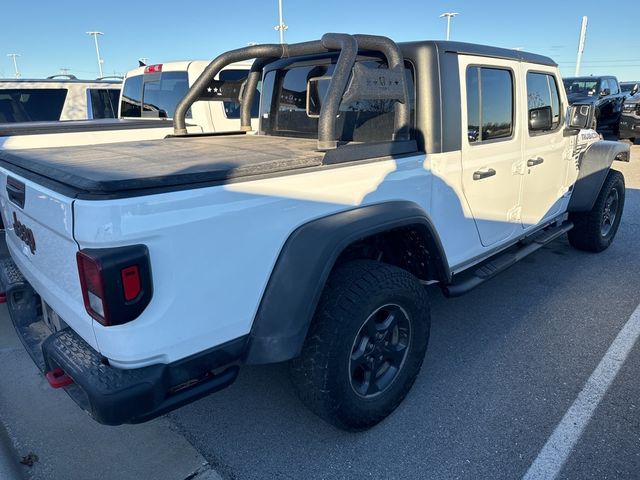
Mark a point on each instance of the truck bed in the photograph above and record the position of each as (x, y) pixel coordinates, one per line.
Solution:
(133, 168)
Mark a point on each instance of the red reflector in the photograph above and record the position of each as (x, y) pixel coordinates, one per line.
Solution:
(131, 282)
(57, 378)
(3, 297)
(153, 68)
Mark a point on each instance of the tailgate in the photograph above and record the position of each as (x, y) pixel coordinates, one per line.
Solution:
(39, 235)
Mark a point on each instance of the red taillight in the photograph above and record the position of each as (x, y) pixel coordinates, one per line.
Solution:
(116, 282)
(92, 287)
(131, 282)
(153, 68)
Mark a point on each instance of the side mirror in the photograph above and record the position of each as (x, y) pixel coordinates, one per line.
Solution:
(540, 119)
(580, 116)
(635, 89)
(605, 92)
(317, 88)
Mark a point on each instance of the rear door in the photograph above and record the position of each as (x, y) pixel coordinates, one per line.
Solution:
(544, 167)
(492, 148)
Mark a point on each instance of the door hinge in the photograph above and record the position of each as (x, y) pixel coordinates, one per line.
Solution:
(515, 214)
(519, 168)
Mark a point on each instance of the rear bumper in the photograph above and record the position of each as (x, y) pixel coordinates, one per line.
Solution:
(113, 396)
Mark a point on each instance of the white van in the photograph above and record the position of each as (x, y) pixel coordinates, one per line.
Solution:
(54, 99)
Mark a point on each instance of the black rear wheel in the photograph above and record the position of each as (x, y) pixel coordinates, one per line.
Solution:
(365, 345)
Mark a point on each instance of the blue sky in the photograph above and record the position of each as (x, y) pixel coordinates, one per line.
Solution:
(51, 35)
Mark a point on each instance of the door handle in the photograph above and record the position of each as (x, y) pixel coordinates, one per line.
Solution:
(532, 162)
(480, 174)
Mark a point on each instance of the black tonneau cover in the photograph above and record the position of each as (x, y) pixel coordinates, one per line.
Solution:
(72, 126)
(132, 168)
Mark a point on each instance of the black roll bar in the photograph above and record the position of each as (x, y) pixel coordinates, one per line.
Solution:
(347, 45)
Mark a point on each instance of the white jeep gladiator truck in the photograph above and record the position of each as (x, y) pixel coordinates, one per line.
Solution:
(142, 275)
(143, 110)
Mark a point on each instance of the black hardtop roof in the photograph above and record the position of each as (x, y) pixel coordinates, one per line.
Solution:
(480, 50)
(442, 46)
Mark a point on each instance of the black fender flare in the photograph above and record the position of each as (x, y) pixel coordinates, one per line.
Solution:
(304, 264)
(594, 165)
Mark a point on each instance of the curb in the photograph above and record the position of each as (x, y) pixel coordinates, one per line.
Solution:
(9, 468)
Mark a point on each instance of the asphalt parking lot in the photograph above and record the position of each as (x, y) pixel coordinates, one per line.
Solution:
(505, 364)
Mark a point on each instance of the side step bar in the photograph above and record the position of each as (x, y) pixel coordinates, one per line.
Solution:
(491, 268)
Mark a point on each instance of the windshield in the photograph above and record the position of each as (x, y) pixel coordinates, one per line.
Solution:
(580, 85)
(31, 104)
(627, 87)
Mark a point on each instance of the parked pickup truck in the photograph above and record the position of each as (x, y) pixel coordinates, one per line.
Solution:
(144, 109)
(60, 97)
(630, 119)
(142, 275)
(605, 95)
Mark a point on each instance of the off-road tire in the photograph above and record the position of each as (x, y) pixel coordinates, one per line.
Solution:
(587, 233)
(322, 375)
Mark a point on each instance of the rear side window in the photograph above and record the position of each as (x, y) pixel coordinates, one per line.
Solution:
(542, 91)
(131, 105)
(489, 104)
(232, 109)
(154, 95)
(31, 105)
(104, 102)
(284, 106)
(162, 92)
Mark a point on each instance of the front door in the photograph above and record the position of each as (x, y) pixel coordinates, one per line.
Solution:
(492, 148)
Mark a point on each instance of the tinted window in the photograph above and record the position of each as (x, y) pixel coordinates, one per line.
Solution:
(162, 92)
(232, 109)
(489, 103)
(604, 85)
(284, 106)
(131, 97)
(104, 102)
(542, 91)
(31, 105)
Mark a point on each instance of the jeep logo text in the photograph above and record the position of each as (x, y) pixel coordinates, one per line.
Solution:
(24, 233)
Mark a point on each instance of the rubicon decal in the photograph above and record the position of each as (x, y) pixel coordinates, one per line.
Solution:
(24, 233)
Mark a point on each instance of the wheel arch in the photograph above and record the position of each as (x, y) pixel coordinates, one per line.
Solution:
(305, 262)
(594, 165)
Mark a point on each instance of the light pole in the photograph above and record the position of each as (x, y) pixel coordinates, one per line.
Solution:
(281, 26)
(449, 16)
(100, 60)
(583, 38)
(15, 62)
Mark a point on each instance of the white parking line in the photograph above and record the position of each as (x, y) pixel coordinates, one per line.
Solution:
(556, 451)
